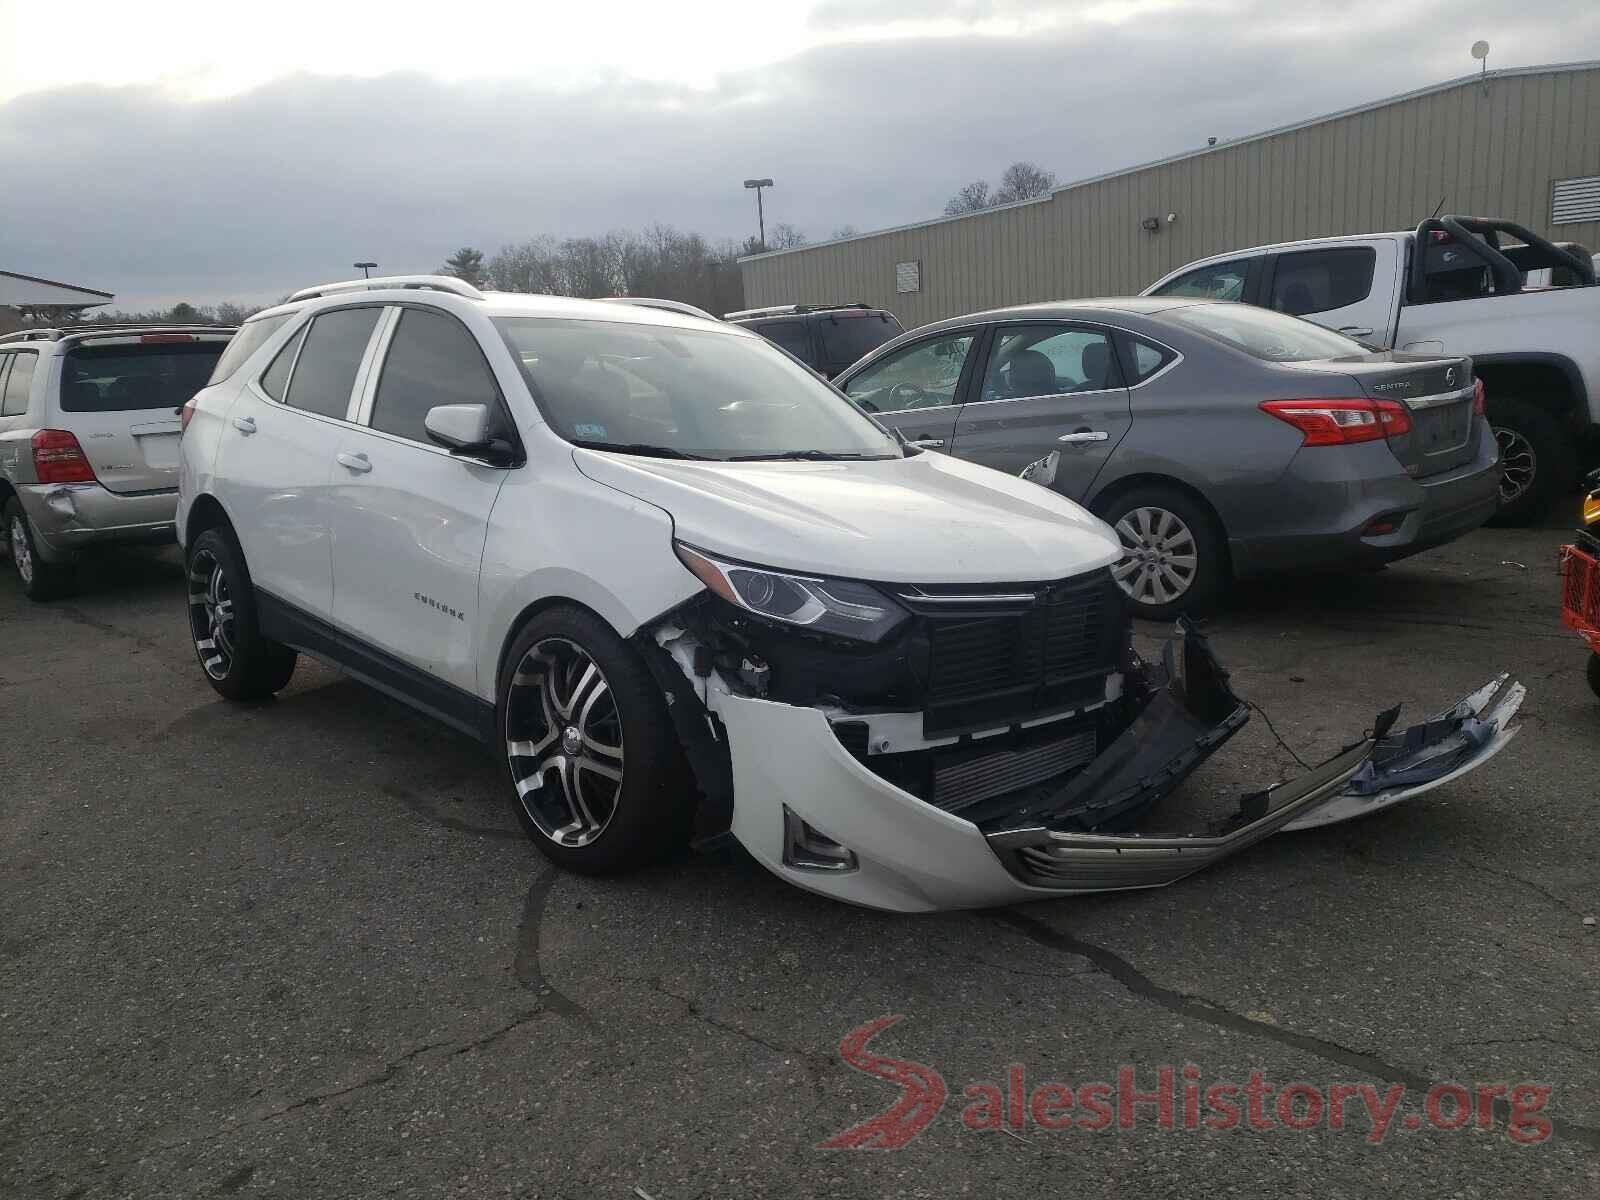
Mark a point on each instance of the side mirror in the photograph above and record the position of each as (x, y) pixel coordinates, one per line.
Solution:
(459, 426)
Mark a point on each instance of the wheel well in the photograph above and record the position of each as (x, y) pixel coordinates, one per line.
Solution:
(1102, 503)
(1545, 384)
(205, 513)
(528, 614)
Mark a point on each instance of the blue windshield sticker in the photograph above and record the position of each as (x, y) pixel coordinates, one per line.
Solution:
(589, 431)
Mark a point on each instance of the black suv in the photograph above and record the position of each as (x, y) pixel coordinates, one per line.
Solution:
(826, 337)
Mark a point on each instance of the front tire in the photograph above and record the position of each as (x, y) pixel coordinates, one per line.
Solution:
(599, 780)
(1174, 557)
(40, 580)
(1538, 461)
(223, 623)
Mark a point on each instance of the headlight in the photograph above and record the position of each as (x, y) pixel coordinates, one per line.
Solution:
(837, 606)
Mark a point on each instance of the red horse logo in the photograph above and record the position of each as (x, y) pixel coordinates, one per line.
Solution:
(922, 1094)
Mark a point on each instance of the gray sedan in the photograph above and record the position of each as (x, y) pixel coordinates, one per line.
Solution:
(1219, 440)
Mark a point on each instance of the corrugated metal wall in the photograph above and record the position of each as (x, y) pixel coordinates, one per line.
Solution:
(1492, 149)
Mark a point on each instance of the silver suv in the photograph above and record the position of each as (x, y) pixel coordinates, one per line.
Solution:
(89, 429)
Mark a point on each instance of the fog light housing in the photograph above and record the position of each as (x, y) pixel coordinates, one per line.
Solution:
(805, 849)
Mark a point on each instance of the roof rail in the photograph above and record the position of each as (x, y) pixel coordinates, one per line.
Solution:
(677, 306)
(433, 283)
(113, 329)
(783, 310)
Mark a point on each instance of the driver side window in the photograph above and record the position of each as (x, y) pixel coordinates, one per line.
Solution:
(921, 376)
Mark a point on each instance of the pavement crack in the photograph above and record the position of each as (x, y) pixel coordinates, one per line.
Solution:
(692, 1009)
(1479, 865)
(527, 968)
(421, 808)
(1193, 1008)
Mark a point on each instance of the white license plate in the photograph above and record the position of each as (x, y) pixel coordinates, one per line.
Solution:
(160, 450)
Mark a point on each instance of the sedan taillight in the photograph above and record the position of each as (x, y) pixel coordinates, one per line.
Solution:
(57, 458)
(1341, 422)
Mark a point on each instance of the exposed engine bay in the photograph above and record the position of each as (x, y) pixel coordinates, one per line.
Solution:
(1029, 714)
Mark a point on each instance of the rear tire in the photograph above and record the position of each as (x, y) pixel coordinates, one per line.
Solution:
(599, 780)
(40, 580)
(1176, 558)
(1538, 460)
(237, 660)
(1594, 673)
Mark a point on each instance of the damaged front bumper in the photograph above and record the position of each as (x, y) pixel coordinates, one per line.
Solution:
(792, 778)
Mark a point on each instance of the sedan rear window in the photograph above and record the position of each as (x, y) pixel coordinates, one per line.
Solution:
(128, 378)
(1263, 334)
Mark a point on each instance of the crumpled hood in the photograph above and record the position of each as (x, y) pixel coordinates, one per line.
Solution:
(927, 518)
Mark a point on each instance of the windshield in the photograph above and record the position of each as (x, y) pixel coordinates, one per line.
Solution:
(1265, 334)
(677, 393)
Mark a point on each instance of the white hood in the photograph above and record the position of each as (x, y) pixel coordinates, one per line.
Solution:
(923, 519)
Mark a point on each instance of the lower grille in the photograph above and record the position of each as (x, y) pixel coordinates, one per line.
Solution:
(965, 784)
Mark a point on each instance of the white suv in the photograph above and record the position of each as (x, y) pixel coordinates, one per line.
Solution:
(682, 587)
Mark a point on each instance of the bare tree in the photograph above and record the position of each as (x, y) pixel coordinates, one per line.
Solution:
(844, 231)
(974, 197)
(1023, 181)
(785, 237)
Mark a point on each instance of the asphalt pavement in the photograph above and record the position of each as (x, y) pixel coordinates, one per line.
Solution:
(304, 950)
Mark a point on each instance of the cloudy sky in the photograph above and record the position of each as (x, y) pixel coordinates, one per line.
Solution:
(211, 151)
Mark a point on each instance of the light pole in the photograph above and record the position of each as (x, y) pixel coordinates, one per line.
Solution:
(366, 269)
(761, 217)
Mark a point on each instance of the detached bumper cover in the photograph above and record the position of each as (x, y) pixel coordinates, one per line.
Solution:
(911, 856)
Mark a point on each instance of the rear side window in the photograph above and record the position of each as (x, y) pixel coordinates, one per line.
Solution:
(1218, 281)
(135, 378)
(1148, 358)
(847, 338)
(432, 360)
(14, 401)
(1314, 281)
(791, 335)
(251, 336)
(326, 371)
(275, 379)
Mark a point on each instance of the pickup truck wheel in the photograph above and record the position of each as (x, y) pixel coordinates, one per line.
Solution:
(40, 580)
(238, 662)
(1594, 674)
(1173, 557)
(601, 783)
(1538, 460)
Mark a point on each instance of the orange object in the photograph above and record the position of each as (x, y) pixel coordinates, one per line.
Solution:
(1580, 594)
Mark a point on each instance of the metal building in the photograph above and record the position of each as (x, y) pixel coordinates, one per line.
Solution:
(1521, 144)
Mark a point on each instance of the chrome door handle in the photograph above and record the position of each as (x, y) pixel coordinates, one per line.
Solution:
(355, 462)
(245, 425)
(1355, 330)
(927, 443)
(1084, 435)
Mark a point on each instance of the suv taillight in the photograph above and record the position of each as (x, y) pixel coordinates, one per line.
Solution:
(1341, 422)
(1477, 398)
(57, 458)
(185, 415)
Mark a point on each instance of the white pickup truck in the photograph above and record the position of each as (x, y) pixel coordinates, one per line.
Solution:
(1526, 309)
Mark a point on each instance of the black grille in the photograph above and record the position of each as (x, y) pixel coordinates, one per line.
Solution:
(1009, 661)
